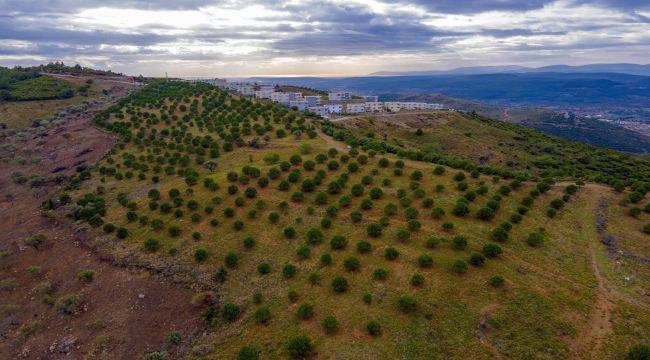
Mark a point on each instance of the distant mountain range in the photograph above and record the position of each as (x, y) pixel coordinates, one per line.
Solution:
(632, 69)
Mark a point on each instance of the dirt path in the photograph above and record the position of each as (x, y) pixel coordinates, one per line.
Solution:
(122, 313)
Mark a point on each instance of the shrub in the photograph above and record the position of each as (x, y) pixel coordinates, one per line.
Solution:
(326, 259)
(263, 315)
(264, 268)
(330, 325)
(122, 233)
(407, 304)
(238, 225)
(535, 239)
(459, 176)
(274, 217)
(402, 235)
(496, 281)
(417, 280)
(200, 255)
(437, 213)
(364, 247)
(38, 240)
(459, 267)
(303, 251)
(432, 242)
(459, 242)
(380, 274)
(289, 232)
(492, 250)
(448, 225)
(248, 353)
(86, 275)
(499, 234)
(339, 284)
(425, 261)
(249, 242)
(391, 253)
(646, 228)
(305, 311)
(288, 271)
(485, 214)
(411, 213)
(351, 263)
(300, 347)
(314, 236)
(374, 328)
(326, 223)
(460, 209)
(477, 259)
(515, 218)
(231, 259)
(230, 312)
(338, 242)
(67, 304)
(638, 352)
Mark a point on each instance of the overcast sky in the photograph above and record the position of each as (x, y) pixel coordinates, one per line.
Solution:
(326, 38)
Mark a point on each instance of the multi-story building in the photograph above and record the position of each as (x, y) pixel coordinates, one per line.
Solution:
(340, 96)
(313, 100)
(334, 108)
(370, 98)
(301, 105)
(373, 107)
(355, 108)
(242, 88)
(263, 93)
(318, 110)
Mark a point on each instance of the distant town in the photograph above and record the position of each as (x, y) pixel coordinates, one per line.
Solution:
(326, 105)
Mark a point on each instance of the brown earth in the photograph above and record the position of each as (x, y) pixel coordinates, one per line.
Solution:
(123, 313)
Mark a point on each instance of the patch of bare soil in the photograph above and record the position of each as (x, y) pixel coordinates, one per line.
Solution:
(122, 313)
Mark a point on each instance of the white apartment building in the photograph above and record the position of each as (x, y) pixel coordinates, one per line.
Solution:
(339, 96)
(370, 98)
(313, 100)
(334, 108)
(373, 107)
(263, 93)
(243, 88)
(318, 110)
(392, 106)
(355, 108)
(301, 105)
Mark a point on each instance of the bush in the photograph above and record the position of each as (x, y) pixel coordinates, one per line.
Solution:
(338, 242)
(264, 268)
(380, 274)
(437, 213)
(485, 214)
(303, 251)
(646, 228)
(535, 239)
(289, 232)
(374, 328)
(326, 259)
(496, 281)
(391, 253)
(37, 241)
(499, 234)
(249, 242)
(230, 312)
(638, 352)
(300, 347)
(364, 247)
(459, 267)
(373, 230)
(86, 275)
(263, 315)
(248, 353)
(417, 280)
(402, 235)
(339, 284)
(200, 255)
(67, 304)
(305, 311)
(477, 259)
(122, 233)
(330, 325)
(288, 271)
(231, 259)
(314, 236)
(460, 209)
(351, 263)
(425, 261)
(407, 304)
(492, 250)
(432, 242)
(459, 242)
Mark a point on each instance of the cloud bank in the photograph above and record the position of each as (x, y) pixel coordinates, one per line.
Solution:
(287, 37)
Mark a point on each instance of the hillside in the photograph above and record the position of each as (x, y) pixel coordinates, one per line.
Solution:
(295, 244)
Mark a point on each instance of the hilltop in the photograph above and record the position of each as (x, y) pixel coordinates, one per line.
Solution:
(432, 235)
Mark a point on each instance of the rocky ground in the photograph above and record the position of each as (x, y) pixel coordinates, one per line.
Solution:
(122, 313)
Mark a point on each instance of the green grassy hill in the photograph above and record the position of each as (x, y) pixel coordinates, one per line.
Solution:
(298, 245)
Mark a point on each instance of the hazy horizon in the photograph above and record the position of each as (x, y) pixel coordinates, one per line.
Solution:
(232, 38)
